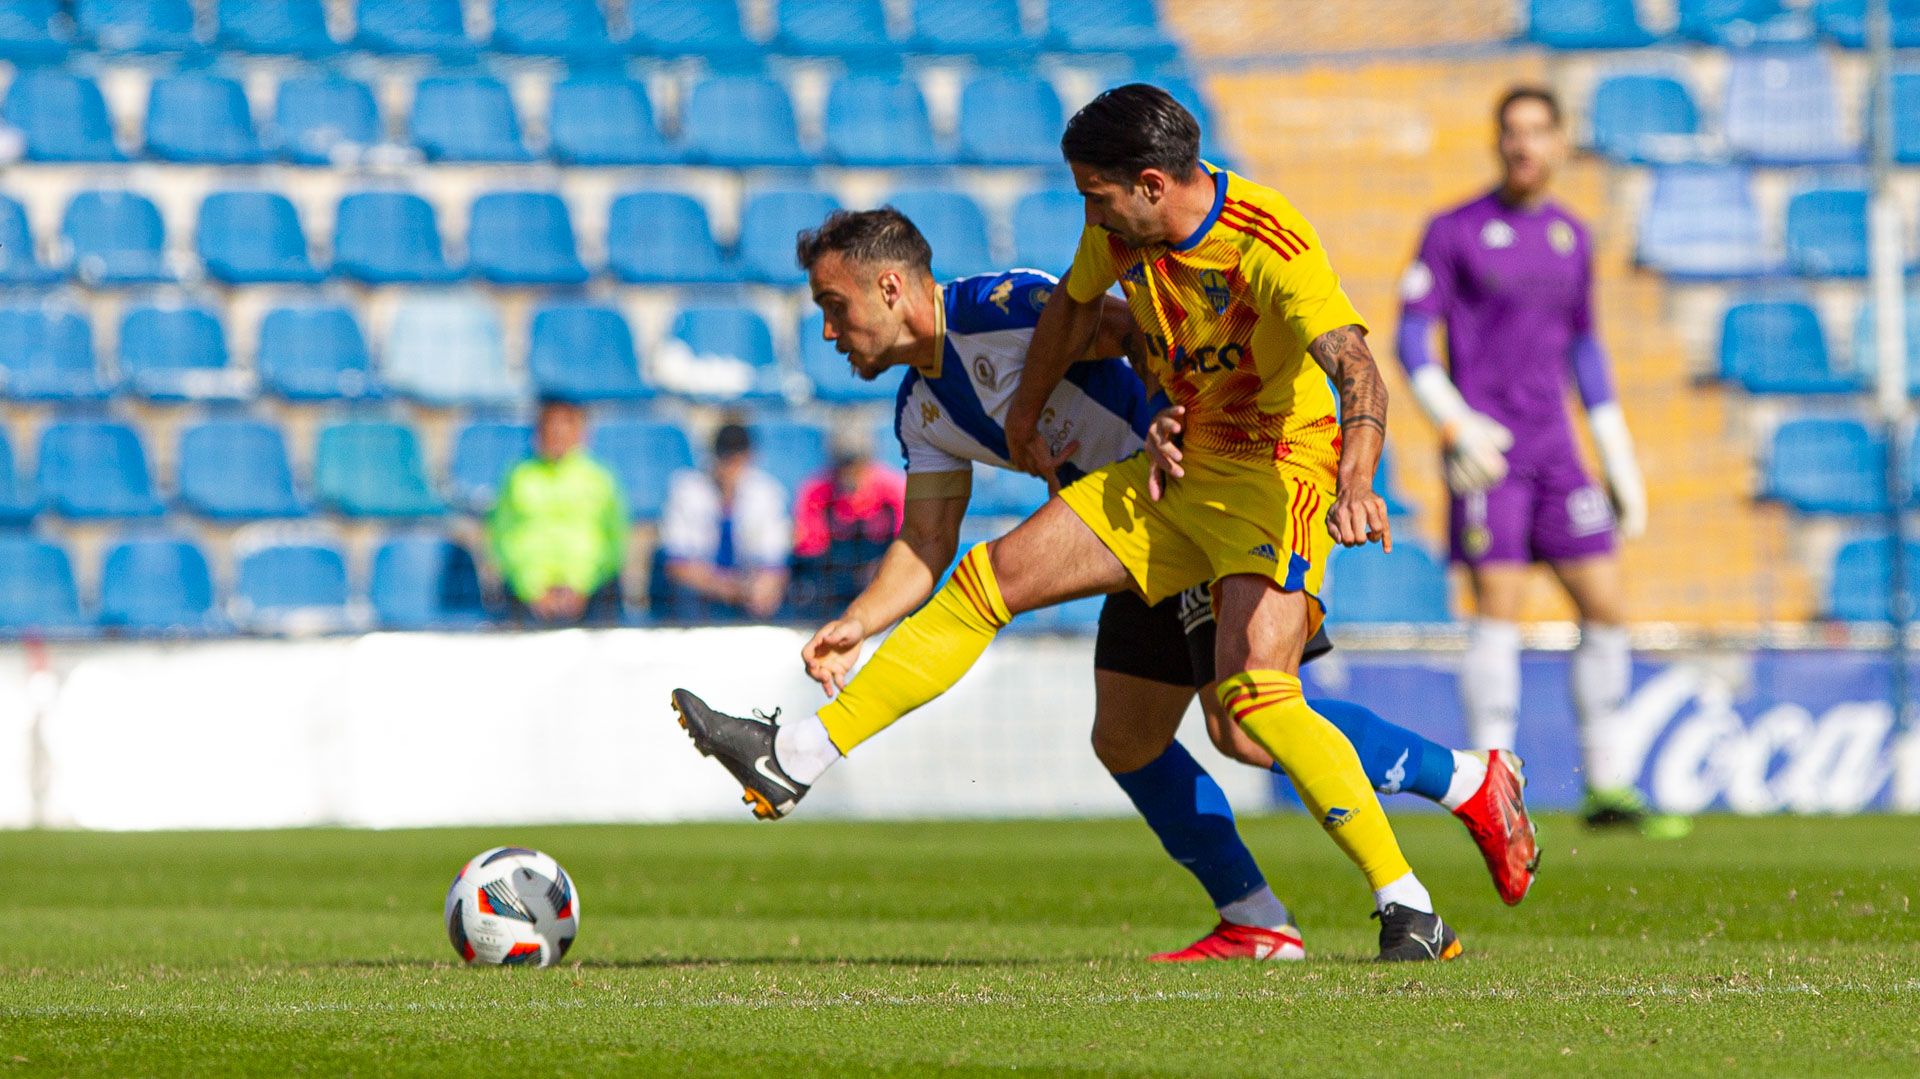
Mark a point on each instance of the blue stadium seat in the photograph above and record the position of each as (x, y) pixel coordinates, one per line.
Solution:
(1782, 108)
(201, 119)
(989, 29)
(389, 237)
(955, 227)
(37, 591)
(18, 500)
(176, 353)
(137, 25)
(1859, 589)
(1010, 120)
(1586, 24)
(313, 353)
(768, 223)
(253, 237)
(791, 451)
(1826, 465)
(1741, 22)
(18, 266)
(1700, 222)
(720, 354)
(33, 31)
(573, 29)
(1130, 27)
(584, 352)
(412, 26)
(1046, 229)
(62, 116)
(855, 29)
(276, 27)
(663, 237)
(291, 584)
(237, 470)
(1644, 118)
(1827, 232)
(741, 120)
(46, 353)
(318, 120)
(447, 349)
(466, 118)
(1866, 345)
(156, 585)
(879, 121)
(117, 238)
(425, 582)
(523, 238)
(833, 381)
(643, 455)
(1405, 584)
(709, 29)
(605, 119)
(483, 452)
(1777, 346)
(94, 469)
(370, 468)
(1845, 22)
(1001, 492)
(1906, 117)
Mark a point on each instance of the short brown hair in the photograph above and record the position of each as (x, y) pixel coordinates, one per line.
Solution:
(1527, 93)
(1131, 128)
(867, 236)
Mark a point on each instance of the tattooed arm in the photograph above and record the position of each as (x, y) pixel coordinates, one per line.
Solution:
(1358, 515)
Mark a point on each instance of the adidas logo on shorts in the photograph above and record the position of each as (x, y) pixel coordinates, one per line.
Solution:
(1265, 551)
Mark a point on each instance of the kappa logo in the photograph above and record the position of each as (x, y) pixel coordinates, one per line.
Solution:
(1336, 817)
(1214, 284)
(1001, 296)
(929, 412)
(1265, 551)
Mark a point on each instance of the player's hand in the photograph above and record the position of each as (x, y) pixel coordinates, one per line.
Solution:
(830, 654)
(1028, 452)
(1476, 451)
(1359, 517)
(1629, 495)
(1163, 450)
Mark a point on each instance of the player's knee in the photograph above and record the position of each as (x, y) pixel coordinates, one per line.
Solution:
(1121, 749)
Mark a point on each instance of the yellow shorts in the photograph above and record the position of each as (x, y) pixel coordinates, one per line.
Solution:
(1223, 517)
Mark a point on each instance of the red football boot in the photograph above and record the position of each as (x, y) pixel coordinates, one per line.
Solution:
(1496, 817)
(1230, 941)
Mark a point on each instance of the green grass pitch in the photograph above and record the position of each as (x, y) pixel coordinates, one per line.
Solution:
(1755, 947)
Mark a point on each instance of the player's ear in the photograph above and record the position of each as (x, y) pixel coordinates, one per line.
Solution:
(890, 286)
(1152, 183)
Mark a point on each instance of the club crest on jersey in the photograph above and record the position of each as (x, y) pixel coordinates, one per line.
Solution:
(1136, 273)
(1001, 295)
(983, 372)
(1497, 235)
(1214, 283)
(1560, 237)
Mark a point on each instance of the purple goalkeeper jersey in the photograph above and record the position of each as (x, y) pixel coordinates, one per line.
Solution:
(1514, 287)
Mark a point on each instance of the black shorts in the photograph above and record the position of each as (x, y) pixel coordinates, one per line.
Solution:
(1171, 641)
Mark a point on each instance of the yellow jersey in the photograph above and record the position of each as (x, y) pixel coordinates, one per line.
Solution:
(1228, 314)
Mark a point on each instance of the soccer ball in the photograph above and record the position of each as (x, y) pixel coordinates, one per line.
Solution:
(512, 905)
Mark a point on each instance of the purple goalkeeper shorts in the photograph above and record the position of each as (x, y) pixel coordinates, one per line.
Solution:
(1547, 511)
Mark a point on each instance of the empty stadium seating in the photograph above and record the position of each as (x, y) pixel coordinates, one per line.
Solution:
(237, 470)
(603, 119)
(156, 584)
(18, 263)
(1859, 588)
(1586, 24)
(790, 451)
(720, 354)
(1781, 108)
(1827, 232)
(1701, 222)
(879, 120)
(200, 118)
(584, 352)
(1131, 27)
(953, 225)
(854, 29)
(318, 120)
(33, 31)
(1008, 119)
(998, 492)
(425, 581)
(116, 238)
(711, 29)
(466, 118)
(1819, 465)
(137, 25)
(94, 469)
(61, 115)
(253, 237)
(826, 369)
(372, 468)
(482, 453)
(1740, 22)
(664, 237)
(389, 237)
(412, 26)
(446, 349)
(177, 352)
(19, 502)
(1405, 584)
(1046, 229)
(1845, 22)
(989, 29)
(46, 353)
(1778, 346)
(37, 590)
(741, 120)
(275, 27)
(289, 584)
(768, 224)
(313, 353)
(573, 29)
(642, 454)
(523, 238)
(1644, 118)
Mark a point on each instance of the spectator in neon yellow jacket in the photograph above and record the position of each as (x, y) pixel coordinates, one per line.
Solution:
(558, 530)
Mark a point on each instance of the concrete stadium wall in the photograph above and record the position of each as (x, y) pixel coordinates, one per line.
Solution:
(401, 730)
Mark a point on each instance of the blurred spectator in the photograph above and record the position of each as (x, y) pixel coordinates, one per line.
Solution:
(724, 538)
(843, 520)
(558, 530)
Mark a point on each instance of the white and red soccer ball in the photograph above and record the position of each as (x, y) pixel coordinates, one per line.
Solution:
(511, 905)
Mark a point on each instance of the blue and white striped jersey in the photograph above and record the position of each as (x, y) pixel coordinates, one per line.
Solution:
(955, 415)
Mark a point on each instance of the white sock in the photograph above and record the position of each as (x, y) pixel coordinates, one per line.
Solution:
(803, 749)
(1408, 892)
(1601, 673)
(1469, 774)
(1490, 683)
(1259, 908)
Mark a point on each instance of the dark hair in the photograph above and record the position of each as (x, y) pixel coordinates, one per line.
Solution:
(731, 439)
(1527, 93)
(867, 236)
(557, 400)
(1131, 128)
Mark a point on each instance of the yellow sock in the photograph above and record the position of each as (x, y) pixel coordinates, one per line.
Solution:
(1323, 766)
(923, 657)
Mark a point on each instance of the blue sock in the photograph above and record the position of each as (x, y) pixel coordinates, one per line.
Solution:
(1395, 758)
(1189, 812)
